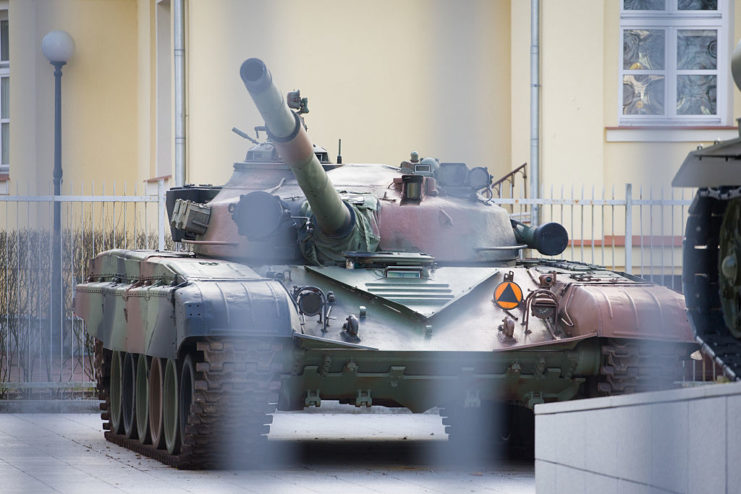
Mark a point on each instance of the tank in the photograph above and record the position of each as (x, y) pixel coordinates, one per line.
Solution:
(711, 275)
(370, 284)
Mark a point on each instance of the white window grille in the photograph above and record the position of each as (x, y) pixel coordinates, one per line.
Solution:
(674, 62)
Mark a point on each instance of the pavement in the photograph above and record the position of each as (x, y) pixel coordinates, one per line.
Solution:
(336, 448)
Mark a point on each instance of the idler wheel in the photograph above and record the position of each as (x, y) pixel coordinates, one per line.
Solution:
(187, 390)
(128, 395)
(115, 393)
(155, 402)
(142, 399)
(170, 408)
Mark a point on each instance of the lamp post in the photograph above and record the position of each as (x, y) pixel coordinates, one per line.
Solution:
(57, 47)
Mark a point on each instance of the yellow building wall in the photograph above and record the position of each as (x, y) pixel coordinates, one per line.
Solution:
(580, 54)
(520, 82)
(386, 77)
(99, 95)
(447, 79)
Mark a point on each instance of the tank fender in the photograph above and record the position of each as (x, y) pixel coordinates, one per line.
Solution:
(256, 307)
(624, 311)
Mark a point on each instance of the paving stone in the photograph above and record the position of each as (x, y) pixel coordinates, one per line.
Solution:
(356, 452)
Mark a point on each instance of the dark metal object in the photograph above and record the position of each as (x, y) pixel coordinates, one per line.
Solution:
(549, 239)
(711, 280)
(56, 270)
(312, 301)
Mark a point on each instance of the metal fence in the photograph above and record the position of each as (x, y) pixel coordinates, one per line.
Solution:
(38, 359)
(637, 231)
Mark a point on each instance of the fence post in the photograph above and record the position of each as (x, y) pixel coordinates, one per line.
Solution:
(161, 214)
(629, 228)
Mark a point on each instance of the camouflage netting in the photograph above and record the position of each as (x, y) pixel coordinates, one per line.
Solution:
(319, 248)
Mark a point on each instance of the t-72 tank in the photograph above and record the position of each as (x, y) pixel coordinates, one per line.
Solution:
(364, 283)
(711, 274)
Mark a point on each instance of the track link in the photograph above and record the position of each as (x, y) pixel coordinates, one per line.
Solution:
(700, 279)
(236, 389)
(630, 366)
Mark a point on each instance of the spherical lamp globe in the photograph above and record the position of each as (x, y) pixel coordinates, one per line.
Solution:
(58, 46)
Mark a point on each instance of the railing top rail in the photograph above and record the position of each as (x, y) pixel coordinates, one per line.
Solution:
(107, 198)
(593, 202)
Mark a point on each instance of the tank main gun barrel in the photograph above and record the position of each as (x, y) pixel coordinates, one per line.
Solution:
(549, 239)
(289, 136)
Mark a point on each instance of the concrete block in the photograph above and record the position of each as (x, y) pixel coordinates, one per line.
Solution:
(633, 457)
(570, 434)
(545, 477)
(707, 445)
(601, 438)
(669, 449)
(628, 487)
(569, 480)
(733, 413)
(601, 484)
(545, 437)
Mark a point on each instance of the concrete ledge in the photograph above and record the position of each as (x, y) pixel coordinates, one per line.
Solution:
(49, 406)
(673, 441)
(685, 394)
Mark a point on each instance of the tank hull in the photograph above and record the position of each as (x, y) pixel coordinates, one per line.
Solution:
(421, 342)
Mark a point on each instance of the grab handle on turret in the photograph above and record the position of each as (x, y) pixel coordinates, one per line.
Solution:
(549, 239)
(287, 133)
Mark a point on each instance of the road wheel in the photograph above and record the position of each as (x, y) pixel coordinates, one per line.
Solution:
(155, 402)
(115, 393)
(128, 394)
(142, 399)
(170, 408)
(187, 391)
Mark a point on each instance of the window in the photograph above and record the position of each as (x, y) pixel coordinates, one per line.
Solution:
(4, 94)
(674, 63)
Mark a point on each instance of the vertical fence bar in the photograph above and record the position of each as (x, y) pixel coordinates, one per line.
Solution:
(581, 224)
(602, 229)
(572, 219)
(92, 216)
(612, 225)
(160, 214)
(661, 238)
(640, 227)
(591, 229)
(671, 242)
(629, 228)
(651, 231)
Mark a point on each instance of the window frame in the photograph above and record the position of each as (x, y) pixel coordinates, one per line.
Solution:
(672, 20)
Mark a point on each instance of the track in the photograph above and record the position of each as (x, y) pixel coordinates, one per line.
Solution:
(701, 279)
(235, 392)
(630, 366)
